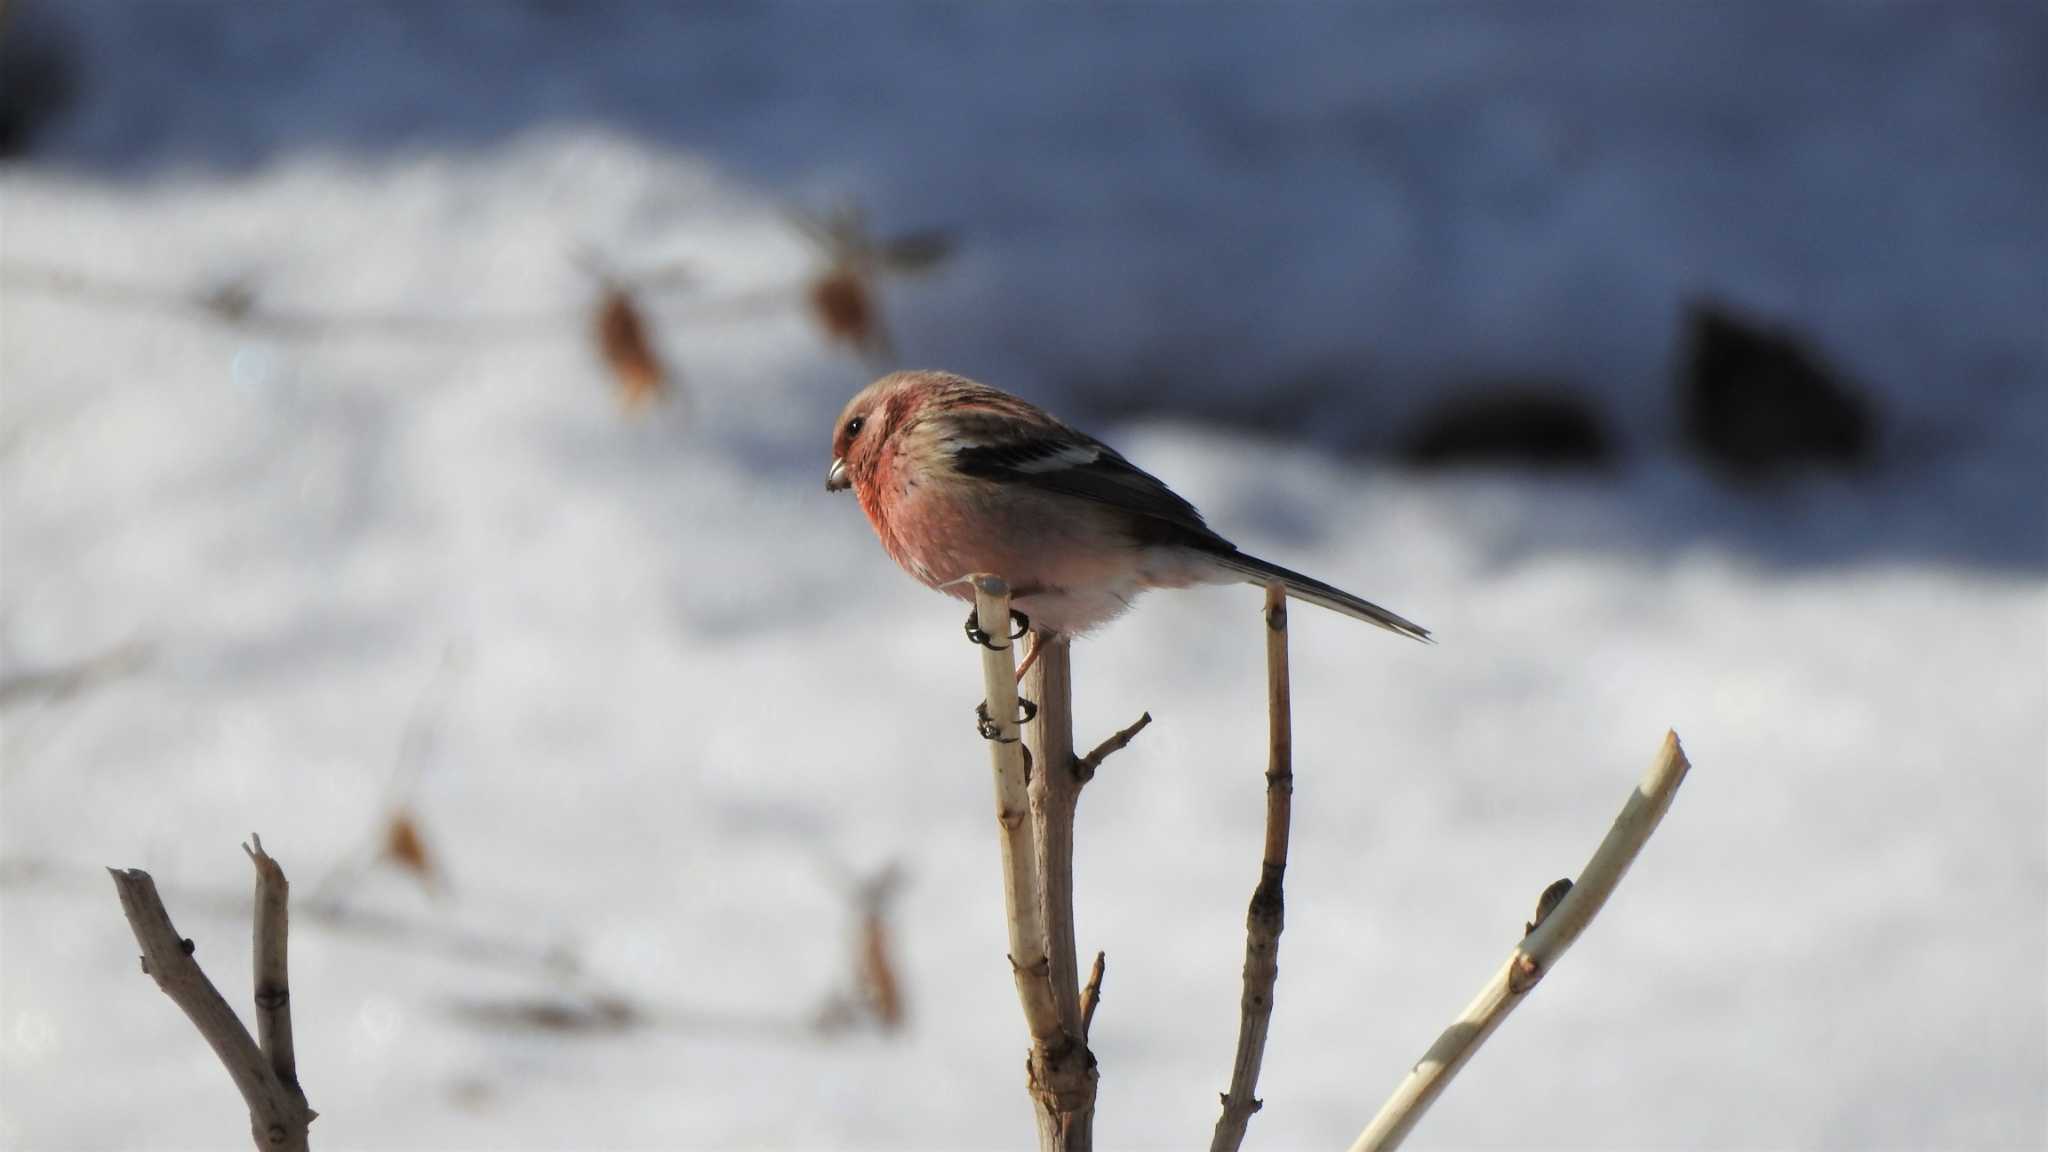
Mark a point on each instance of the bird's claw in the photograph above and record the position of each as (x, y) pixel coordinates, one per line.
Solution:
(990, 730)
(976, 634)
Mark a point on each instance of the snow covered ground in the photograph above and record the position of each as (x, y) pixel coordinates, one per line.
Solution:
(659, 694)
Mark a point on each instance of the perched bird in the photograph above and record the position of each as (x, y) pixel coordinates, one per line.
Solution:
(958, 478)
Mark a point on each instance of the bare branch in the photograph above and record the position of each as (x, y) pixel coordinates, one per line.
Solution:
(1266, 917)
(1028, 961)
(273, 981)
(1084, 768)
(236, 305)
(1537, 954)
(278, 1115)
(65, 681)
(1036, 812)
(1063, 1072)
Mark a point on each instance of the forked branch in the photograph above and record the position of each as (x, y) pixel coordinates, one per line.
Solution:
(278, 1114)
(1037, 784)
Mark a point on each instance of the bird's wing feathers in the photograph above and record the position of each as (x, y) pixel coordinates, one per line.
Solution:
(1056, 458)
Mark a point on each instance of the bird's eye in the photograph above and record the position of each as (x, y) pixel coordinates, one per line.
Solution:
(853, 426)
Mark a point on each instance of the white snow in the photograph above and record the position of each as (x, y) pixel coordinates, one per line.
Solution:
(664, 694)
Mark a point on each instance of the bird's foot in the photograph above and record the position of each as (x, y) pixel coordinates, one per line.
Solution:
(975, 633)
(990, 730)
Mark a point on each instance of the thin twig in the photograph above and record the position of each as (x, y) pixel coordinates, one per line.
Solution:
(278, 1115)
(273, 978)
(396, 828)
(1091, 995)
(1028, 961)
(1537, 954)
(234, 305)
(64, 681)
(1084, 768)
(1266, 917)
(434, 936)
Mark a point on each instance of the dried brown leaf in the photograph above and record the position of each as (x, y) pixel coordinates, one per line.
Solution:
(627, 351)
(844, 304)
(407, 848)
(884, 992)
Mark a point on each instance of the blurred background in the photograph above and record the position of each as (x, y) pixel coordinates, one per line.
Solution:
(411, 427)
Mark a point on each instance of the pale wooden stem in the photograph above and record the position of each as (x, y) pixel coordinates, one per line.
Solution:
(1028, 961)
(278, 1115)
(273, 978)
(1537, 954)
(1012, 812)
(1063, 1072)
(1266, 917)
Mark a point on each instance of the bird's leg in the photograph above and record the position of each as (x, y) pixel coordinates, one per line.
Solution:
(1030, 657)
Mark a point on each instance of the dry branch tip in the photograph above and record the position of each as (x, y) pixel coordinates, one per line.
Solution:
(1265, 917)
(1091, 995)
(1084, 768)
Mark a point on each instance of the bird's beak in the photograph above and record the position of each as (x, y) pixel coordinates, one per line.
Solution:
(835, 476)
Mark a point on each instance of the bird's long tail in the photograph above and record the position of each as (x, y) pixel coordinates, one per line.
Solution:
(1257, 571)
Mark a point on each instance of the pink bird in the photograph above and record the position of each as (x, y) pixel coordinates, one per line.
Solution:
(958, 478)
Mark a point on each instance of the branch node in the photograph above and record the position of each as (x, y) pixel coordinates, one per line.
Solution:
(1548, 902)
(1523, 973)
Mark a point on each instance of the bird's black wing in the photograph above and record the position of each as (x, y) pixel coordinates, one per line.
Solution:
(1075, 464)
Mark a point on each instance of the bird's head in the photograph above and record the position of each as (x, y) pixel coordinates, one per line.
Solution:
(868, 421)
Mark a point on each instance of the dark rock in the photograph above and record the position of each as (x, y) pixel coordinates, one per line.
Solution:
(1542, 426)
(1758, 400)
(38, 77)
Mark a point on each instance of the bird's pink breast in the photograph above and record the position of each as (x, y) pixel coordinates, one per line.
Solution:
(1070, 570)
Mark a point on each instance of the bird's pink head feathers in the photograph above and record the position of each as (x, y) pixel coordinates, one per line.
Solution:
(869, 421)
